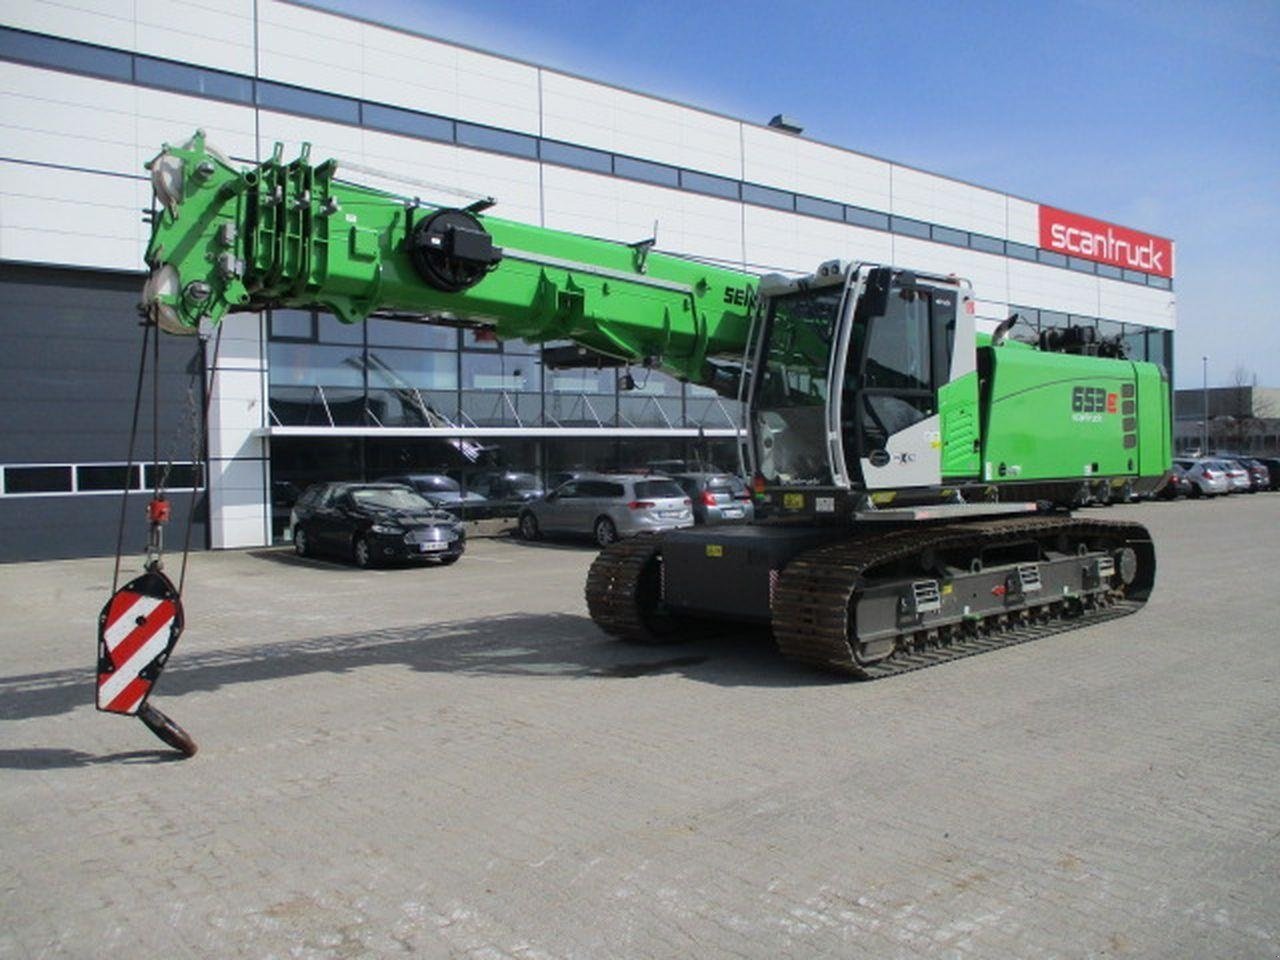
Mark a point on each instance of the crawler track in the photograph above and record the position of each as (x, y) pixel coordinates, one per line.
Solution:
(624, 590)
(815, 603)
(816, 600)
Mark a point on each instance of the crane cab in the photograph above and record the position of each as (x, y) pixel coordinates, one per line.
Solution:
(864, 388)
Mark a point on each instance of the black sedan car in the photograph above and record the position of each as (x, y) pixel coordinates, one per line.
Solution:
(373, 523)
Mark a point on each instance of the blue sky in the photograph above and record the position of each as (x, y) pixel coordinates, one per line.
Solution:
(1162, 116)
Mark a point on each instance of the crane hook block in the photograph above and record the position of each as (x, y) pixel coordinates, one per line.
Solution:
(452, 251)
(137, 630)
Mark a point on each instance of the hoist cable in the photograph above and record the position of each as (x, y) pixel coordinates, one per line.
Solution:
(133, 437)
(207, 397)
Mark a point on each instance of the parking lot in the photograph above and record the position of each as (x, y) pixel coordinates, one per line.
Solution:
(454, 762)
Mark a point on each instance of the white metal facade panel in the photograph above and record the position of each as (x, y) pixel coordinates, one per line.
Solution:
(776, 240)
(1052, 288)
(70, 217)
(1148, 305)
(106, 22)
(308, 48)
(1024, 221)
(447, 175)
(172, 118)
(592, 114)
(782, 160)
(238, 500)
(212, 33)
(622, 210)
(53, 117)
(924, 196)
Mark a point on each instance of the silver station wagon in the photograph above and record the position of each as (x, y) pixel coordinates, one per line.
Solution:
(606, 507)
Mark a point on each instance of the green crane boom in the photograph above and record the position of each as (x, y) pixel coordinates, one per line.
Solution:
(293, 234)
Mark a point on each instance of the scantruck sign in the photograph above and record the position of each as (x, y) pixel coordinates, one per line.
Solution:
(1096, 240)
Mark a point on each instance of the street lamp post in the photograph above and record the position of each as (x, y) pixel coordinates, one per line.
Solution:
(1204, 404)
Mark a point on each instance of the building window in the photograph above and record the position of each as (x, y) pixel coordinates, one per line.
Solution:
(408, 122)
(986, 244)
(1020, 250)
(37, 479)
(646, 171)
(1081, 265)
(767, 197)
(957, 238)
(117, 476)
(909, 227)
(1162, 283)
(580, 158)
(861, 217)
(83, 58)
(1106, 270)
(711, 185)
(307, 103)
(176, 476)
(499, 141)
(197, 81)
(1051, 258)
(814, 207)
(400, 333)
(292, 325)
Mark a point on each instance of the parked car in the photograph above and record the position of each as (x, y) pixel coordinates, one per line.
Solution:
(444, 492)
(1176, 484)
(506, 491)
(1259, 473)
(1208, 477)
(372, 523)
(1273, 466)
(1237, 476)
(608, 507)
(564, 476)
(717, 497)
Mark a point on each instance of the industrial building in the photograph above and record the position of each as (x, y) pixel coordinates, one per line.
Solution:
(91, 91)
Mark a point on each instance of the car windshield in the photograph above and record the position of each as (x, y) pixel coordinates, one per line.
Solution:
(525, 482)
(655, 489)
(389, 498)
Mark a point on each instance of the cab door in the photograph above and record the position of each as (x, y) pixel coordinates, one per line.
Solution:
(901, 360)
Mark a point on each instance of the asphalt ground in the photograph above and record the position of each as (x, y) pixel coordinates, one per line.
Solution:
(454, 762)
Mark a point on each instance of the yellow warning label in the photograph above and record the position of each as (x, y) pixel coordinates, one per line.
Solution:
(715, 550)
(793, 501)
(947, 589)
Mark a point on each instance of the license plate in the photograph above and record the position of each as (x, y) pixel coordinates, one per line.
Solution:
(671, 514)
(733, 514)
(432, 546)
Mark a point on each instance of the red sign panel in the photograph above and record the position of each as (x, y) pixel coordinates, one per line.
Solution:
(1103, 242)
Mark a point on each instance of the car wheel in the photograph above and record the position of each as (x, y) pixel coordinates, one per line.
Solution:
(529, 527)
(606, 532)
(1196, 492)
(448, 561)
(361, 553)
(301, 545)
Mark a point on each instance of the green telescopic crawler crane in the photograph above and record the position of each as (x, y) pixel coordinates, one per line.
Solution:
(917, 474)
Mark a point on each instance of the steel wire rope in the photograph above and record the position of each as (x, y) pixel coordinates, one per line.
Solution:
(200, 440)
(133, 436)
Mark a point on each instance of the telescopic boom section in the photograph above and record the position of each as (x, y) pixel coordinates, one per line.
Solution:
(226, 239)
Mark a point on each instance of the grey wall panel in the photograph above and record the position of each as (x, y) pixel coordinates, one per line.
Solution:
(55, 528)
(69, 348)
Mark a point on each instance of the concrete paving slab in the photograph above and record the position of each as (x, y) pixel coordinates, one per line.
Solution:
(454, 762)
